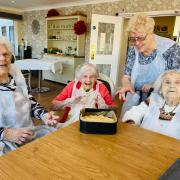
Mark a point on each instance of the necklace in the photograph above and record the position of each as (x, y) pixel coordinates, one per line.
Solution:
(167, 115)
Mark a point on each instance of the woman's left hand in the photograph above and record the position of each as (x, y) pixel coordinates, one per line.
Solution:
(146, 87)
(100, 101)
(51, 119)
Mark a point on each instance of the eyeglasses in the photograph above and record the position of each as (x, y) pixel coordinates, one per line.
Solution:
(138, 38)
(6, 55)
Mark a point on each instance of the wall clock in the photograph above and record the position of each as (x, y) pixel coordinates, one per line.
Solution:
(35, 26)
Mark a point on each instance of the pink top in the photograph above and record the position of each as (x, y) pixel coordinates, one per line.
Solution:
(67, 92)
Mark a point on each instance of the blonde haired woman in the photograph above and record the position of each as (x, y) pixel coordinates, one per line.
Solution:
(148, 56)
(162, 113)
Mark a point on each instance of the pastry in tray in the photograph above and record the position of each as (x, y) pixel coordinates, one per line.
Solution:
(98, 121)
(97, 118)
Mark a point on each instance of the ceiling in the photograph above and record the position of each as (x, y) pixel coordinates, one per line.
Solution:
(26, 5)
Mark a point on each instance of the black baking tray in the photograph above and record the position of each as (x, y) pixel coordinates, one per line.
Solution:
(173, 172)
(97, 127)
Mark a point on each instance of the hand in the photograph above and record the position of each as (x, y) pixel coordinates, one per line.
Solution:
(130, 121)
(100, 101)
(146, 87)
(51, 119)
(122, 92)
(73, 100)
(19, 136)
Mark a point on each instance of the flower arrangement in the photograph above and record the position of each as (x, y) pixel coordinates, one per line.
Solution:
(52, 12)
(80, 27)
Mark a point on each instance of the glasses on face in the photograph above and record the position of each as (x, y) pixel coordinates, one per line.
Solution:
(138, 38)
(6, 55)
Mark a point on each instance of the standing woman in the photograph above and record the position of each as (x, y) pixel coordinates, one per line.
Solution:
(148, 56)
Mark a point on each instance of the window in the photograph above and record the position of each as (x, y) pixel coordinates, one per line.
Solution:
(3, 28)
(7, 30)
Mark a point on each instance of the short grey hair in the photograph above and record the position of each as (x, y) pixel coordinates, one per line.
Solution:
(82, 69)
(158, 82)
(4, 42)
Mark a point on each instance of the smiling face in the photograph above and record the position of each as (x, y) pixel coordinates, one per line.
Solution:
(142, 41)
(171, 88)
(5, 61)
(88, 79)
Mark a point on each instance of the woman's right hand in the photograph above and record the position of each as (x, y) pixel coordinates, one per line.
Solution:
(126, 87)
(122, 92)
(19, 136)
(73, 100)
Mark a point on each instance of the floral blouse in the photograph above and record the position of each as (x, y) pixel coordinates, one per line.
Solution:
(171, 57)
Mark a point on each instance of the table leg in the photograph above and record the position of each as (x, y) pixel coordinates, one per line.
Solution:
(40, 89)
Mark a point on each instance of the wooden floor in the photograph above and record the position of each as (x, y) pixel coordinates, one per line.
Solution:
(46, 98)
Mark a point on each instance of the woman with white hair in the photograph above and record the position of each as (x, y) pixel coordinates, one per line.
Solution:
(17, 106)
(148, 56)
(161, 113)
(84, 92)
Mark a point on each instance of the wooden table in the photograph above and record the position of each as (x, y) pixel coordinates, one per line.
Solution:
(133, 153)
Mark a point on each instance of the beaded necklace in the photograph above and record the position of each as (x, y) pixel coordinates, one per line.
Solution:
(167, 115)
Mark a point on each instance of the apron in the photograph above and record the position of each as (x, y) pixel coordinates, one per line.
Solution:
(146, 74)
(15, 111)
(88, 101)
(151, 119)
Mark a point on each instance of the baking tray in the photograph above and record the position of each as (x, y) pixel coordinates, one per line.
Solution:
(97, 127)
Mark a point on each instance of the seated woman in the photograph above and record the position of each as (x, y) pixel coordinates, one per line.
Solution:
(17, 106)
(84, 92)
(162, 113)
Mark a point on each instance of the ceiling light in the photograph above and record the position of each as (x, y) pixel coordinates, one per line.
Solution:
(13, 1)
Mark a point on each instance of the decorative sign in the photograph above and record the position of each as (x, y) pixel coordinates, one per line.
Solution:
(92, 51)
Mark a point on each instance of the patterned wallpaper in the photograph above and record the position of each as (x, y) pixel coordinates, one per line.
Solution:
(38, 42)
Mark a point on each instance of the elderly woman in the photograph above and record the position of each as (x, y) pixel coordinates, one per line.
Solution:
(162, 112)
(84, 92)
(17, 106)
(148, 56)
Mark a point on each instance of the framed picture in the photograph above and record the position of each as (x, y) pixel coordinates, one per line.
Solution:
(159, 28)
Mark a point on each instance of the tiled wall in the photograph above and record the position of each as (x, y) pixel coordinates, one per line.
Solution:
(38, 41)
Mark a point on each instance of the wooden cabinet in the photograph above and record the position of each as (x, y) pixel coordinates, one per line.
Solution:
(69, 64)
(61, 36)
(65, 45)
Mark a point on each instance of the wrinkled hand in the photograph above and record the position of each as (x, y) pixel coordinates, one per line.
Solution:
(100, 101)
(146, 87)
(51, 119)
(19, 136)
(130, 122)
(73, 100)
(122, 92)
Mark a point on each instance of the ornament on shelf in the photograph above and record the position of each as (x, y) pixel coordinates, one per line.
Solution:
(80, 27)
(52, 12)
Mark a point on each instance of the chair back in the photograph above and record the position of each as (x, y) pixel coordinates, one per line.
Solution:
(26, 73)
(13, 58)
(107, 81)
